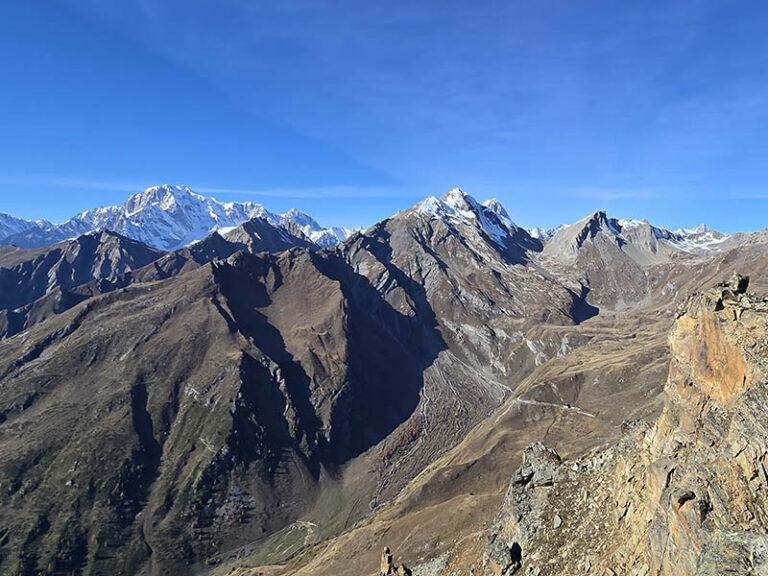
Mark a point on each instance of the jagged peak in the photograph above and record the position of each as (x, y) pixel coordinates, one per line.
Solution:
(700, 229)
(167, 217)
(456, 206)
(162, 191)
(649, 243)
(598, 216)
(303, 220)
(463, 203)
(454, 195)
(590, 225)
(166, 196)
(599, 220)
(496, 206)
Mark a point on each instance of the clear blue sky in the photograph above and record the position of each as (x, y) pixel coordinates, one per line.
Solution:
(352, 110)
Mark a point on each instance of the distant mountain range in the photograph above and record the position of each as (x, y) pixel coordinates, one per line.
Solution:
(171, 217)
(164, 217)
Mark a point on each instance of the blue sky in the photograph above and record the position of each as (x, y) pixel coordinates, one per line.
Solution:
(352, 110)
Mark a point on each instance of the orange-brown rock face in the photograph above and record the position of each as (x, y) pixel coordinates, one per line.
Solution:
(711, 360)
(688, 496)
(386, 562)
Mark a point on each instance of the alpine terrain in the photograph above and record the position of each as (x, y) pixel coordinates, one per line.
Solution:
(196, 387)
(164, 217)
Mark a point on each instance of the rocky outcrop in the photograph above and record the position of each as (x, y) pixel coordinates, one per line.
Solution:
(687, 496)
(388, 567)
(520, 519)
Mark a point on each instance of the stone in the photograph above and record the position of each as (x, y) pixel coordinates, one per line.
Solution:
(539, 465)
(738, 283)
(386, 562)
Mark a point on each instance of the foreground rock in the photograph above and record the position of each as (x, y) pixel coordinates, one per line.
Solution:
(688, 496)
(389, 568)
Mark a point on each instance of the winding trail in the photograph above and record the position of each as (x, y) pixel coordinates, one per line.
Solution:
(568, 407)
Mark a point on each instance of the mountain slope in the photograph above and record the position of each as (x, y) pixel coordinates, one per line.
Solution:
(589, 378)
(438, 523)
(617, 262)
(49, 275)
(39, 283)
(327, 379)
(202, 389)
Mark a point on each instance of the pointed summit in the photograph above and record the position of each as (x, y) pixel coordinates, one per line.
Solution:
(258, 235)
(305, 221)
(494, 205)
(456, 195)
(165, 196)
(462, 212)
(567, 243)
(700, 229)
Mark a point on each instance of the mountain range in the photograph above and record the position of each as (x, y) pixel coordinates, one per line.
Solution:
(234, 397)
(164, 217)
(170, 217)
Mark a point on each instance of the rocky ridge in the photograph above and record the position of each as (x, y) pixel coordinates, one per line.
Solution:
(38, 283)
(686, 496)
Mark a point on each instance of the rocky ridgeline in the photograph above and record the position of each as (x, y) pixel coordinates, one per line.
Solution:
(687, 496)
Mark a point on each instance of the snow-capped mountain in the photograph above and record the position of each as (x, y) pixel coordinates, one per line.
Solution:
(459, 207)
(486, 226)
(544, 233)
(170, 217)
(10, 225)
(700, 235)
(165, 217)
(618, 239)
(323, 237)
(700, 229)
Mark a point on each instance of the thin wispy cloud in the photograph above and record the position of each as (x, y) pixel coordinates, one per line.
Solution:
(68, 183)
(339, 192)
(611, 194)
(318, 192)
(763, 196)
